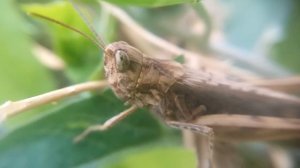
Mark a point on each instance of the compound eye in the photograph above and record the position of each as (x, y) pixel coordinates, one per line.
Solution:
(122, 61)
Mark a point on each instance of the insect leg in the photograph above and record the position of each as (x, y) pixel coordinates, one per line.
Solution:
(108, 124)
(12, 108)
(202, 130)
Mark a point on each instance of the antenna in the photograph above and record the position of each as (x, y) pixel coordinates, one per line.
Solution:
(97, 43)
(88, 23)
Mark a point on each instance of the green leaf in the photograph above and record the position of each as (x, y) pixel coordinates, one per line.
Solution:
(158, 155)
(180, 59)
(151, 3)
(48, 141)
(81, 56)
(286, 52)
(175, 157)
(21, 75)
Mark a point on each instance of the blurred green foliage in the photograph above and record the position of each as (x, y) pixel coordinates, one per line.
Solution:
(80, 55)
(45, 139)
(287, 50)
(151, 3)
(19, 70)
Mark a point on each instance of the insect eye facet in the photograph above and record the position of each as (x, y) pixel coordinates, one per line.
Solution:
(122, 60)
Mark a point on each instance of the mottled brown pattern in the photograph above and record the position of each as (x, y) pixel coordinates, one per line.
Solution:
(176, 93)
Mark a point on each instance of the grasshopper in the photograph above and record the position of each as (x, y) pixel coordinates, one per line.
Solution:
(197, 101)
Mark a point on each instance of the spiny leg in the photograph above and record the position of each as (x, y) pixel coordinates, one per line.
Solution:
(198, 129)
(204, 147)
(11, 108)
(108, 124)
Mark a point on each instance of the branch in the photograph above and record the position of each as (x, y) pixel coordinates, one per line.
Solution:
(48, 58)
(10, 108)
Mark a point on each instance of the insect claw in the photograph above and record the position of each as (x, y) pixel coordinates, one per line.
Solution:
(81, 136)
(108, 124)
(89, 130)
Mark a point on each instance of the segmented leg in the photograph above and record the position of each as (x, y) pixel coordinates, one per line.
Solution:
(198, 129)
(108, 124)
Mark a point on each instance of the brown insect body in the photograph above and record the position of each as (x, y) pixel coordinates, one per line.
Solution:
(234, 110)
(176, 93)
(146, 81)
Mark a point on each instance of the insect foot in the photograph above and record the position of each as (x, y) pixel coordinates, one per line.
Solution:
(108, 124)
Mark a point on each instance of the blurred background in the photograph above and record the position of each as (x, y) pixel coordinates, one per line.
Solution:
(259, 38)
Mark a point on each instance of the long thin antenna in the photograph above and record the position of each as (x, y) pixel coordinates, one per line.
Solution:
(68, 27)
(88, 22)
